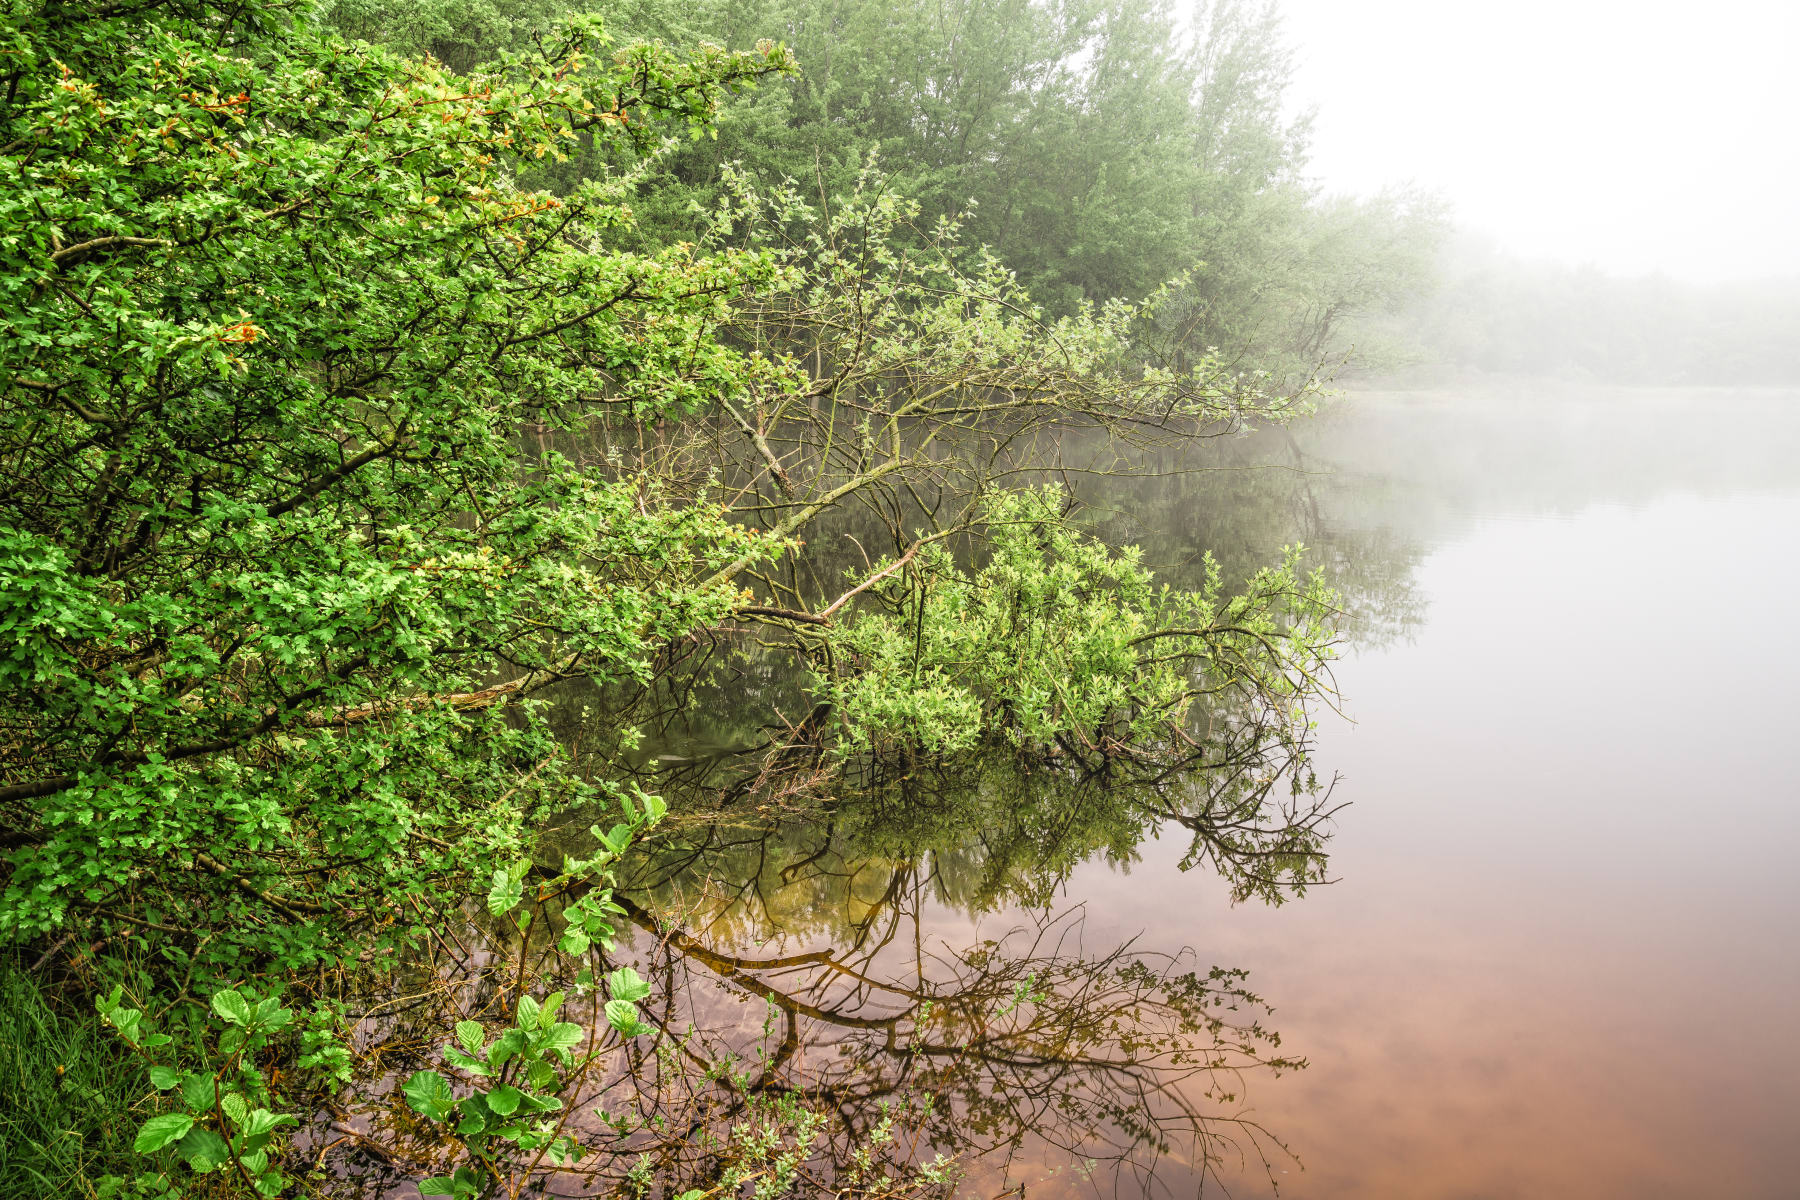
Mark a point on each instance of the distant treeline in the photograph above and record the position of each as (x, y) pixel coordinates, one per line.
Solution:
(1098, 147)
(1493, 313)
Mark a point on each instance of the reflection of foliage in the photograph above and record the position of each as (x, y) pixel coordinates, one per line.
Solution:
(1058, 643)
(1024, 1041)
(993, 833)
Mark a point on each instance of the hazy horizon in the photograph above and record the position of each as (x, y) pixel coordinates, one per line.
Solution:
(1640, 139)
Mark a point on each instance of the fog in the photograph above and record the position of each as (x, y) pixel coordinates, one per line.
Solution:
(1638, 138)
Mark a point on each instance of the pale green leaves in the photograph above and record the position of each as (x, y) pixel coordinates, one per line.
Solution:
(204, 1151)
(626, 987)
(507, 889)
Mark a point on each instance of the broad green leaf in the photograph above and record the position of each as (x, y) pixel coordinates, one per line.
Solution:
(158, 1132)
(164, 1078)
(429, 1094)
(471, 1036)
(202, 1149)
(231, 1006)
(529, 1013)
(564, 1035)
(622, 1015)
(505, 1046)
(627, 984)
(261, 1120)
(199, 1091)
(127, 1022)
(437, 1185)
(504, 1100)
(506, 893)
(466, 1063)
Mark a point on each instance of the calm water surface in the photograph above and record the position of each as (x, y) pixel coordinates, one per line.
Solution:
(1559, 957)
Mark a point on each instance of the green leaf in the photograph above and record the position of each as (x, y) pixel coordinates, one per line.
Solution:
(504, 1100)
(164, 1078)
(505, 1046)
(429, 1094)
(564, 1035)
(261, 1121)
(158, 1132)
(506, 893)
(575, 940)
(627, 984)
(127, 1022)
(231, 1006)
(471, 1036)
(529, 1013)
(437, 1185)
(234, 1106)
(199, 1092)
(622, 1015)
(466, 1062)
(203, 1150)
(533, 1103)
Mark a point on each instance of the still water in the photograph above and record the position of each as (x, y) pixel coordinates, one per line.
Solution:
(1558, 956)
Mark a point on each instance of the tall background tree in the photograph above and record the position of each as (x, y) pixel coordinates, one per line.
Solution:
(1099, 148)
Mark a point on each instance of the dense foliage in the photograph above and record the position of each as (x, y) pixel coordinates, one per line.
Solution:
(274, 318)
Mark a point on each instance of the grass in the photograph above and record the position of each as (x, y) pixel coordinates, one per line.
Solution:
(66, 1089)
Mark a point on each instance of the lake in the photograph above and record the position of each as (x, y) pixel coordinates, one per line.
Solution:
(1557, 954)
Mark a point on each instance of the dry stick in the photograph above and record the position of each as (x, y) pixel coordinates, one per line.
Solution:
(762, 447)
(47, 955)
(292, 908)
(823, 617)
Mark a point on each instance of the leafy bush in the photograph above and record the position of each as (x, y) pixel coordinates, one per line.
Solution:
(1058, 642)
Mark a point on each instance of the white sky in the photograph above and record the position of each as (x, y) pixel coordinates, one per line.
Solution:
(1637, 137)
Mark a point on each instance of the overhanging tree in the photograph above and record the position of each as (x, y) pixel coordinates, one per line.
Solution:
(274, 314)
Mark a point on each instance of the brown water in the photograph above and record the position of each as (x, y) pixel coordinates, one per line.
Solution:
(1559, 957)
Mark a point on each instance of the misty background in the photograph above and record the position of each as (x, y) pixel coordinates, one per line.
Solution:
(1621, 177)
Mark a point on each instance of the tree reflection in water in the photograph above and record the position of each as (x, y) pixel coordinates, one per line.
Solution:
(1022, 1053)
